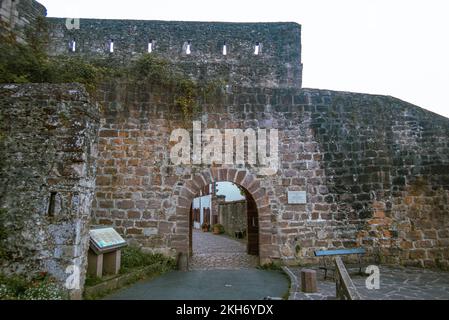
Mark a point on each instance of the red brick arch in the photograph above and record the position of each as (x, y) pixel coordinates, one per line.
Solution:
(241, 177)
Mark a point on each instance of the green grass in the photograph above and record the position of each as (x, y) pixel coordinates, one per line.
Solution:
(92, 280)
(136, 263)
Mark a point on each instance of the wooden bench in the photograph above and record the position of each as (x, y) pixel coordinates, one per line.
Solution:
(339, 252)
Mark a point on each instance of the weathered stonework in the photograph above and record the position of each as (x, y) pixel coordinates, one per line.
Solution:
(17, 15)
(277, 65)
(375, 169)
(47, 178)
(233, 216)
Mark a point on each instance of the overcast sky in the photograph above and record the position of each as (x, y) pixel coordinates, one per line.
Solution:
(391, 47)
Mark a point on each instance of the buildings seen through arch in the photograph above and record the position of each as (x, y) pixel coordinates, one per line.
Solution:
(227, 209)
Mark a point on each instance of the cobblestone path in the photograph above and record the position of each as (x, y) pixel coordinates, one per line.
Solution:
(396, 283)
(219, 252)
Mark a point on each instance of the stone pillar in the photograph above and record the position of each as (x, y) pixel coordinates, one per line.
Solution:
(59, 194)
(308, 281)
(183, 262)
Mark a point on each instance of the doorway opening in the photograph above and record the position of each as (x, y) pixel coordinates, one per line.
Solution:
(224, 228)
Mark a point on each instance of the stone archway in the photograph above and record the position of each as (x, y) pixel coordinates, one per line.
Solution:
(181, 239)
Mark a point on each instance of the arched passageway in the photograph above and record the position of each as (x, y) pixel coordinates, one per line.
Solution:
(258, 211)
(232, 210)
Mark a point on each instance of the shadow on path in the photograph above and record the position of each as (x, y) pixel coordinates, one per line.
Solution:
(247, 284)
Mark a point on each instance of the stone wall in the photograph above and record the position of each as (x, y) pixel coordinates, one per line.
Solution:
(277, 65)
(375, 170)
(17, 15)
(386, 164)
(47, 179)
(232, 215)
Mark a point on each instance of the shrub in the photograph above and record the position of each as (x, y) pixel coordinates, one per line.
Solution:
(218, 228)
(152, 69)
(92, 280)
(43, 291)
(13, 286)
(274, 265)
(41, 287)
(74, 69)
(6, 293)
(25, 63)
(134, 257)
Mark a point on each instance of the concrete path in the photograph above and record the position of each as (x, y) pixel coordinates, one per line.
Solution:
(246, 284)
(220, 269)
(211, 252)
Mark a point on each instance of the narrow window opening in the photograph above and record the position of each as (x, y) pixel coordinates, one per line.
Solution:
(73, 46)
(150, 46)
(51, 205)
(257, 49)
(188, 51)
(225, 49)
(111, 46)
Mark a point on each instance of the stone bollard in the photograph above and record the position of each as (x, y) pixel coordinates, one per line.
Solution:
(183, 262)
(308, 281)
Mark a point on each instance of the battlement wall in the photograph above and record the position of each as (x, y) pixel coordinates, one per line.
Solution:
(196, 47)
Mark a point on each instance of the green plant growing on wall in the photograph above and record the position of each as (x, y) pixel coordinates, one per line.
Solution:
(21, 63)
(74, 69)
(150, 68)
(26, 63)
(186, 97)
(37, 37)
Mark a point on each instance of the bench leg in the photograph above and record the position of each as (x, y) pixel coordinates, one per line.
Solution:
(360, 265)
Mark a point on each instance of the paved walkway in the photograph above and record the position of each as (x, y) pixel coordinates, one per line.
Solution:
(220, 269)
(247, 284)
(396, 283)
(211, 252)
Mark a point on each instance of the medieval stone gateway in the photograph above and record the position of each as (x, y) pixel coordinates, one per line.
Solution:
(256, 197)
(374, 169)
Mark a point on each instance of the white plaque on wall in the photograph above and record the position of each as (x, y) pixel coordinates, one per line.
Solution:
(297, 197)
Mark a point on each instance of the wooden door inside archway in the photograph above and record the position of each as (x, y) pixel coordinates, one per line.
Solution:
(252, 225)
